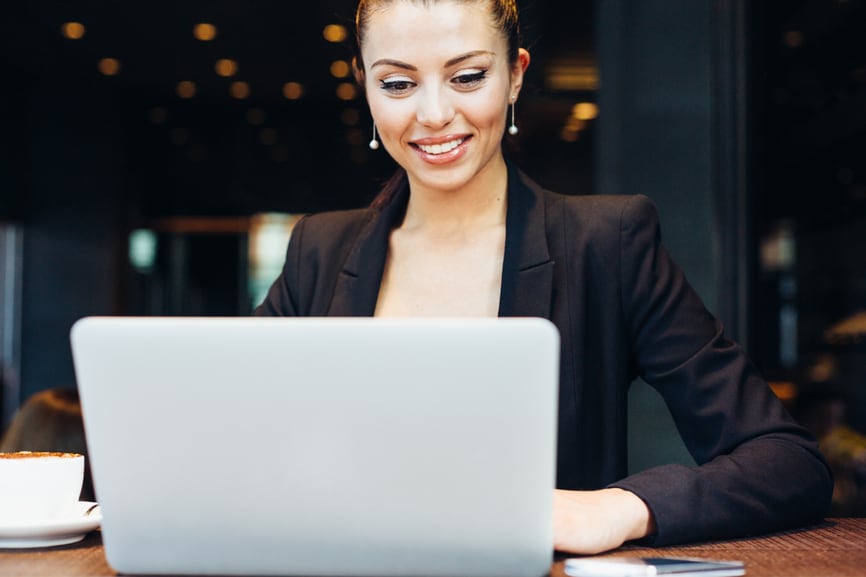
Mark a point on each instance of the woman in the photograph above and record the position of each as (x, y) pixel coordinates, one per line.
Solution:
(461, 231)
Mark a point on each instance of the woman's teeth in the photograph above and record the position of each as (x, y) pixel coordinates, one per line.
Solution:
(441, 148)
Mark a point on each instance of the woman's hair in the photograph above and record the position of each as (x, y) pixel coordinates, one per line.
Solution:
(50, 420)
(505, 16)
(503, 12)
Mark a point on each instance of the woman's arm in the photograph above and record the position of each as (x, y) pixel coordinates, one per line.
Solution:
(758, 470)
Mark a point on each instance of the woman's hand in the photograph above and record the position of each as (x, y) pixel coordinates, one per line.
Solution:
(590, 522)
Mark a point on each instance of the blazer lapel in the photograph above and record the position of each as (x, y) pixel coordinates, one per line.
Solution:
(527, 271)
(357, 288)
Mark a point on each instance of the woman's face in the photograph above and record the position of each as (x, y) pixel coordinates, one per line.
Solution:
(439, 83)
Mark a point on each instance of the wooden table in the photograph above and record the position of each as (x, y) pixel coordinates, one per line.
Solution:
(836, 548)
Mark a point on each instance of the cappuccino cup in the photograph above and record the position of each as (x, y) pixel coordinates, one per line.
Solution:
(39, 486)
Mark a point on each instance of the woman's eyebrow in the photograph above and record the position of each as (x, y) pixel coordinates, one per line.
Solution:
(467, 56)
(395, 63)
(452, 62)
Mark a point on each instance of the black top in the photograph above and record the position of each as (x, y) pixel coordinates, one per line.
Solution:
(596, 266)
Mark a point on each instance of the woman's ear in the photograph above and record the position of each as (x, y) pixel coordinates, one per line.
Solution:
(358, 71)
(518, 70)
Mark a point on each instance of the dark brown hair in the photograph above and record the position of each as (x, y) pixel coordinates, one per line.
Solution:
(504, 13)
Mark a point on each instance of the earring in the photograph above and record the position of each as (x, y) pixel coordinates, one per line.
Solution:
(512, 130)
(374, 144)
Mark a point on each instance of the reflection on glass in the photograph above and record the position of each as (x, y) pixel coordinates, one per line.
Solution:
(269, 236)
(142, 249)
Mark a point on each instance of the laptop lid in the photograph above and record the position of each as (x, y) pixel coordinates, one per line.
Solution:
(321, 446)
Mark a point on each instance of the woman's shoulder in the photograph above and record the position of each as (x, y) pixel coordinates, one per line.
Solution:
(622, 210)
(333, 225)
(327, 236)
(589, 206)
(602, 202)
(340, 218)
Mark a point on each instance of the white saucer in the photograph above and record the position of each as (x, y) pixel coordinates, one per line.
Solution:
(51, 533)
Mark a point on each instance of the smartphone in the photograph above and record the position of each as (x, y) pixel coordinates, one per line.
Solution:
(612, 566)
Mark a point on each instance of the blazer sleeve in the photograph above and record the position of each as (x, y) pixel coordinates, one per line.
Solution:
(282, 297)
(318, 250)
(758, 470)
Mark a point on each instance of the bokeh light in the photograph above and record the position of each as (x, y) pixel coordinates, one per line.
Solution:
(585, 111)
(204, 31)
(293, 90)
(340, 69)
(226, 67)
(347, 91)
(73, 30)
(335, 33)
(239, 89)
(186, 89)
(109, 66)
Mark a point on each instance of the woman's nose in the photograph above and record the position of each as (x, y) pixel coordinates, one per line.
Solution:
(435, 109)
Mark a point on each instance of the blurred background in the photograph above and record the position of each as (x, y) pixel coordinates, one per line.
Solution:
(154, 156)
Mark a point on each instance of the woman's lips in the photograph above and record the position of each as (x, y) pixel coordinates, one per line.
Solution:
(442, 151)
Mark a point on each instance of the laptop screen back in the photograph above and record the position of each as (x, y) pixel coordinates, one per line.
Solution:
(321, 446)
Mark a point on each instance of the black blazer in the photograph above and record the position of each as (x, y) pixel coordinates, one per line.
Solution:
(596, 266)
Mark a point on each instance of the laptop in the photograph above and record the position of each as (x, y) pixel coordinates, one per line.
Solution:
(321, 446)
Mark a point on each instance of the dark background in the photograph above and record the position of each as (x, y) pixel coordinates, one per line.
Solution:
(744, 121)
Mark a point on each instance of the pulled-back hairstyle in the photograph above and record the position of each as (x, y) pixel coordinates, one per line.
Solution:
(504, 15)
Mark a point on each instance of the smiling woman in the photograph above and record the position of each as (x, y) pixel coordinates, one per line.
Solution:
(461, 231)
(440, 101)
(440, 104)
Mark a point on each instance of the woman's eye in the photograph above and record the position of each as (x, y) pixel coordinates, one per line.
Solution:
(470, 79)
(396, 86)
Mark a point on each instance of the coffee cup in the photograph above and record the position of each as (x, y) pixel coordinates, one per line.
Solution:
(39, 486)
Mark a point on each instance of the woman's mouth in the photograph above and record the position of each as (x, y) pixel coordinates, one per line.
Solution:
(442, 152)
(441, 148)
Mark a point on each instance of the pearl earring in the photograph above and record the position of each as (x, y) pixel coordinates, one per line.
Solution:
(512, 130)
(374, 144)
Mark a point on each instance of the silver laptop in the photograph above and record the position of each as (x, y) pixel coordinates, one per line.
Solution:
(321, 446)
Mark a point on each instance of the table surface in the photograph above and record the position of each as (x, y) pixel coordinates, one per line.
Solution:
(835, 548)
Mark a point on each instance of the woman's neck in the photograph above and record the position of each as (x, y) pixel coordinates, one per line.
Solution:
(479, 205)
